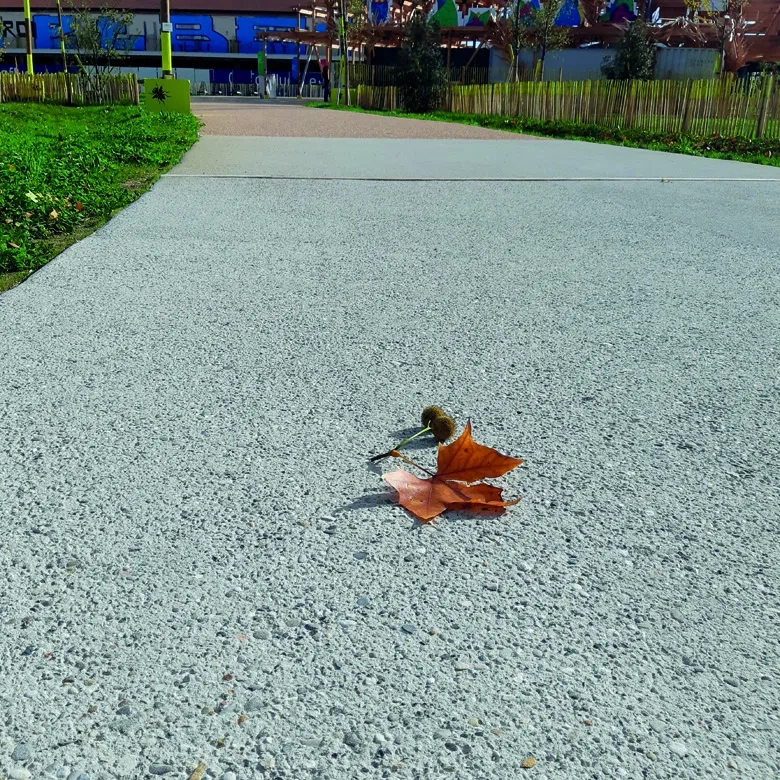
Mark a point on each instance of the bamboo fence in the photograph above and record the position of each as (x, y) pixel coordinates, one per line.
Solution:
(726, 106)
(385, 75)
(53, 88)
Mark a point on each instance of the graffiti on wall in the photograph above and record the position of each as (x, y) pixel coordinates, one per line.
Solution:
(450, 14)
(201, 33)
(217, 34)
(46, 33)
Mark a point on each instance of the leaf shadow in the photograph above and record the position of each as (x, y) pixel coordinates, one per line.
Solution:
(404, 433)
(473, 513)
(426, 440)
(386, 498)
(370, 500)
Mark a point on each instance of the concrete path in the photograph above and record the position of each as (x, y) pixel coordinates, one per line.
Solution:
(191, 533)
(425, 160)
(292, 118)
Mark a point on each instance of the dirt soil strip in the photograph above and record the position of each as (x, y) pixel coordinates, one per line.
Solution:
(280, 117)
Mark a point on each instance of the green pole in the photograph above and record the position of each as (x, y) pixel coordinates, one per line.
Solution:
(66, 75)
(343, 64)
(166, 28)
(28, 29)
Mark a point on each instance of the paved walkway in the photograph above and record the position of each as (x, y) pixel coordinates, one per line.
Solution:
(291, 118)
(199, 565)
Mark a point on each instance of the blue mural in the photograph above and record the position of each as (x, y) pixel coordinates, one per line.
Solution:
(569, 15)
(616, 11)
(192, 33)
(196, 34)
(379, 11)
(250, 28)
(46, 33)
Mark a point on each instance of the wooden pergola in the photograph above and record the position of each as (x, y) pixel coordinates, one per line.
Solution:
(764, 42)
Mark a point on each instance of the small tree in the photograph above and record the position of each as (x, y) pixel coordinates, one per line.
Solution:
(421, 76)
(545, 34)
(635, 55)
(99, 42)
(737, 36)
(362, 31)
(509, 33)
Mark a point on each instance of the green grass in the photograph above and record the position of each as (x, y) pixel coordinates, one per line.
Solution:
(65, 171)
(763, 152)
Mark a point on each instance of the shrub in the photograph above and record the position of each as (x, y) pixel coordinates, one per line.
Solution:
(421, 76)
(635, 55)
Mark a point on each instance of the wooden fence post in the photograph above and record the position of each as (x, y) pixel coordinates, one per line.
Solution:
(763, 114)
(686, 122)
(630, 103)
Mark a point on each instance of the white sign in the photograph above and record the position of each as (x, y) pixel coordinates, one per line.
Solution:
(166, 27)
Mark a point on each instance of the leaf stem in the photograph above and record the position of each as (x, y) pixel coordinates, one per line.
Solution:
(398, 446)
(419, 433)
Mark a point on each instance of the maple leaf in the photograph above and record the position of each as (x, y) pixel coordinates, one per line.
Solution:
(78, 205)
(462, 462)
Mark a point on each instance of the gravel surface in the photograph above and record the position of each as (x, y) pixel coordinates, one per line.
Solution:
(200, 566)
(393, 158)
(291, 118)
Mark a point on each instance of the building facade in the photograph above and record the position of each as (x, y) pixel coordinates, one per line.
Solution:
(218, 41)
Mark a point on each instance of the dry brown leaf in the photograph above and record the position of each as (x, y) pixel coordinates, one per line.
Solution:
(461, 462)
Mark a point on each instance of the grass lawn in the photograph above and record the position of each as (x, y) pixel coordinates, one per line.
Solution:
(763, 152)
(65, 171)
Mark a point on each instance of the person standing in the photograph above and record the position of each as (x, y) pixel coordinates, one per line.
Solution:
(325, 80)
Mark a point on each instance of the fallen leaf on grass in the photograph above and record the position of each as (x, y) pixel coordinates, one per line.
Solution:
(12, 245)
(78, 205)
(53, 214)
(462, 462)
